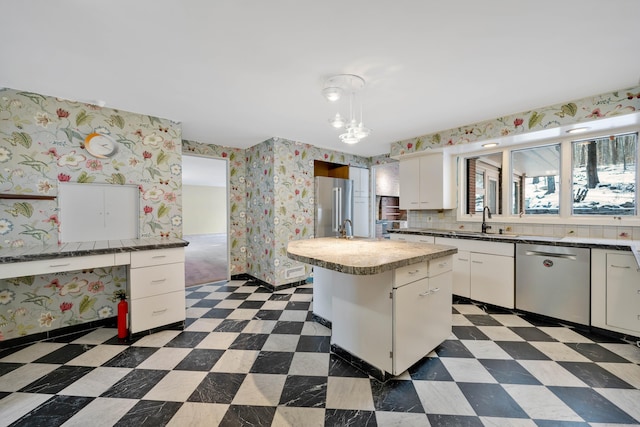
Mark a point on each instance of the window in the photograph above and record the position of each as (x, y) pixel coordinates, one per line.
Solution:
(604, 175)
(485, 189)
(536, 173)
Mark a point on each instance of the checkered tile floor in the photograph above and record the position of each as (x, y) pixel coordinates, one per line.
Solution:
(252, 357)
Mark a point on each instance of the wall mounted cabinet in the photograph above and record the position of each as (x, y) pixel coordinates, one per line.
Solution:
(361, 207)
(425, 182)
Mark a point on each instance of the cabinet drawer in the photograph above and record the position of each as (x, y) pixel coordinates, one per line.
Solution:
(55, 265)
(159, 279)
(153, 312)
(156, 257)
(440, 265)
(411, 273)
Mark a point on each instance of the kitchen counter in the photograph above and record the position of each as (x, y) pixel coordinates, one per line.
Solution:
(568, 241)
(363, 256)
(75, 249)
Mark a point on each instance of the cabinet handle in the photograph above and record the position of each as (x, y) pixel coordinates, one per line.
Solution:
(60, 265)
(424, 294)
(159, 280)
(619, 266)
(443, 264)
(463, 259)
(156, 312)
(433, 291)
(159, 256)
(411, 273)
(477, 262)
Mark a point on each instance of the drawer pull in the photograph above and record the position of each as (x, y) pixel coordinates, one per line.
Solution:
(60, 265)
(463, 259)
(157, 312)
(411, 273)
(619, 266)
(433, 291)
(443, 264)
(477, 262)
(159, 256)
(159, 280)
(425, 293)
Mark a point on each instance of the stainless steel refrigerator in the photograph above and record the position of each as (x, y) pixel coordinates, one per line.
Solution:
(334, 204)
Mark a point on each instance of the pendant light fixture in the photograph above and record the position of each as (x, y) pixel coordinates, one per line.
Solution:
(337, 88)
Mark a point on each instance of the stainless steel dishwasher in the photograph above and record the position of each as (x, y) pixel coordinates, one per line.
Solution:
(554, 281)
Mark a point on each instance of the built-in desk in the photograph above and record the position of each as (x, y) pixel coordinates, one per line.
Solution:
(155, 272)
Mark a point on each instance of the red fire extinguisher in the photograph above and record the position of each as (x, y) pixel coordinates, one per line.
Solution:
(123, 309)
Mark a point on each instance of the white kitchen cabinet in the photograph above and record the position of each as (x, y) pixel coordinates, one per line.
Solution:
(483, 271)
(425, 182)
(392, 319)
(615, 291)
(156, 289)
(418, 238)
(361, 209)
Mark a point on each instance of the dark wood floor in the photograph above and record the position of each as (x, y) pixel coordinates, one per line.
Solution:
(205, 259)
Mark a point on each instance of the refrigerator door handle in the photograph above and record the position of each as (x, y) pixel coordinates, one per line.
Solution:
(335, 219)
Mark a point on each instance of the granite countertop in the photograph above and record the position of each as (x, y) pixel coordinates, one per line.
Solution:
(32, 253)
(363, 256)
(570, 241)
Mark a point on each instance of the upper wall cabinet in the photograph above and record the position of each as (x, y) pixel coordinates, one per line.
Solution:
(425, 182)
(360, 177)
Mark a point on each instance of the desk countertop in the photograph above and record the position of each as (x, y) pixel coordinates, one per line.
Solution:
(33, 253)
(363, 256)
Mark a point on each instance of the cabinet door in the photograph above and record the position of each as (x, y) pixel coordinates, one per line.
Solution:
(411, 329)
(623, 292)
(361, 217)
(431, 182)
(492, 279)
(409, 183)
(461, 274)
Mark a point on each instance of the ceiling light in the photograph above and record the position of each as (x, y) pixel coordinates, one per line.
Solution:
(351, 85)
(578, 130)
(490, 144)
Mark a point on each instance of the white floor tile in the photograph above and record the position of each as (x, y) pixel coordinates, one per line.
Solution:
(274, 305)
(442, 397)
(287, 416)
(627, 372)
(468, 309)
(460, 320)
(195, 414)
(16, 405)
(310, 364)
(203, 325)
(236, 361)
(165, 358)
(242, 314)
(159, 339)
(401, 419)
(484, 349)
(467, 370)
(259, 327)
(96, 382)
(500, 333)
(101, 412)
(258, 297)
(97, 356)
(98, 336)
(559, 351)
(218, 340)
(313, 328)
(349, 393)
(564, 334)
(176, 386)
(550, 373)
(540, 403)
(281, 342)
(628, 351)
(506, 422)
(196, 312)
(33, 352)
(260, 390)
(293, 316)
(511, 320)
(627, 400)
(229, 304)
(24, 375)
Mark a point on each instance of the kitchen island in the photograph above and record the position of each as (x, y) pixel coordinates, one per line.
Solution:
(388, 302)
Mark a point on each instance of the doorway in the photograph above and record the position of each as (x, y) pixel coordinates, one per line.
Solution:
(205, 226)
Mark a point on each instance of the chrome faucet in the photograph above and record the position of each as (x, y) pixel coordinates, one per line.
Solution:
(485, 227)
(343, 229)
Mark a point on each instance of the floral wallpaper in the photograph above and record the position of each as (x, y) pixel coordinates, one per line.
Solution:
(237, 198)
(625, 101)
(42, 144)
(280, 203)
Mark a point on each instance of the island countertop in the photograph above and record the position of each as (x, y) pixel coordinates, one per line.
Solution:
(363, 256)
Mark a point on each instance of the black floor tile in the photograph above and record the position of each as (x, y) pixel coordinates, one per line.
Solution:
(131, 357)
(53, 412)
(430, 369)
(199, 359)
(509, 372)
(5, 368)
(557, 423)
(594, 375)
(231, 326)
(596, 353)
(238, 296)
(491, 400)
(314, 344)
(57, 380)
(197, 295)
(187, 339)
(482, 320)
(438, 420)
(280, 297)
(343, 417)
(303, 391)
(217, 313)
(531, 334)
(206, 303)
(297, 305)
(149, 413)
(591, 406)
(217, 387)
(253, 305)
(468, 333)
(4, 394)
(287, 327)
(451, 348)
(520, 350)
(135, 384)
(64, 354)
(227, 288)
(254, 416)
(249, 342)
(272, 362)
(395, 396)
(268, 315)
(340, 368)
(308, 291)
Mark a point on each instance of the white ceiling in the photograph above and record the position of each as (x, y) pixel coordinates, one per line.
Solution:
(237, 72)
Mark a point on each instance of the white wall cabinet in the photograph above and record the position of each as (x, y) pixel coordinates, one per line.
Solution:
(483, 271)
(361, 208)
(425, 182)
(156, 289)
(615, 291)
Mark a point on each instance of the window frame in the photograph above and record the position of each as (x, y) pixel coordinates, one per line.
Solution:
(565, 215)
